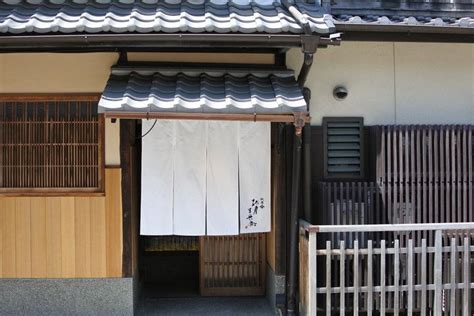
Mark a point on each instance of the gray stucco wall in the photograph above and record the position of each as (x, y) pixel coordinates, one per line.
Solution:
(67, 296)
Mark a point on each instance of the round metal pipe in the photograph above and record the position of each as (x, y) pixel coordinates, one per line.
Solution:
(293, 251)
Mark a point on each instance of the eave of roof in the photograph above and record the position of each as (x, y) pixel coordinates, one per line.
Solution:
(143, 91)
(104, 25)
(154, 42)
(396, 24)
(404, 20)
(166, 16)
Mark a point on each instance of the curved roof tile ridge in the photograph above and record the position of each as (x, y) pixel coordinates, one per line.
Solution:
(168, 16)
(464, 22)
(180, 91)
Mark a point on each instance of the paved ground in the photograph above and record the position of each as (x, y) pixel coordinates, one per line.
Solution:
(196, 306)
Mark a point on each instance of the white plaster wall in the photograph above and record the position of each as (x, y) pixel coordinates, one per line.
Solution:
(434, 83)
(393, 83)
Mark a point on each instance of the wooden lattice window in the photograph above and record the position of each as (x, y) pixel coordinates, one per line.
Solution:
(51, 144)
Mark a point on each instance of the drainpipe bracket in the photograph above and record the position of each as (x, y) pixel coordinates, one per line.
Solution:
(300, 120)
(123, 57)
(309, 43)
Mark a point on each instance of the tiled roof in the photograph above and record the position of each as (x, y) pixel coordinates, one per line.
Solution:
(464, 22)
(167, 16)
(219, 91)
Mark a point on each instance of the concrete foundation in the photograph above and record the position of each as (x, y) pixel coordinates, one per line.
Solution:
(67, 296)
(275, 290)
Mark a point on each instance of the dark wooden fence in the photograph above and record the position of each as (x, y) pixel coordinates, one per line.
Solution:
(425, 173)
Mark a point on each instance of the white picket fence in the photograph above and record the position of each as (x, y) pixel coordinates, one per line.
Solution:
(424, 269)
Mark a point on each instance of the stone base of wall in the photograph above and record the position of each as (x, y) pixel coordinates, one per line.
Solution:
(114, 296)
(275, 290)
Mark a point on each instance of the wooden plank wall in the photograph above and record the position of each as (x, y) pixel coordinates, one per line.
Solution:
(63, 237)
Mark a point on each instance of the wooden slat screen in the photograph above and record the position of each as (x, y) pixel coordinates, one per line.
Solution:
(426, 173)
(232, 265)
(52, 145)
(170, 243)
(343, 141)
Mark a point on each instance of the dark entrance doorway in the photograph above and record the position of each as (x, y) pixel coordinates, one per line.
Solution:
(169, 266)
(177, 266)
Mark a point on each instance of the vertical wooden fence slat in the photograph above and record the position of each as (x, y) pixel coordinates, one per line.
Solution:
(453, 264)
(382, 277)
(469, 174)
(396, 268)
(453, 175)
(342, 286)
(410, 277)
(442, 176)
(395, 170)
(328, 278)
(356, 277)
(370, 279)
(464, 175)
(466, 277)
(383, 174)
(423, 277)
(458, 175)
(436, 174)
(389, 175)
(438, 273)
(430, 176)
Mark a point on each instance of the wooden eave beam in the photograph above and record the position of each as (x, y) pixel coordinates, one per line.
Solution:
(282, 118)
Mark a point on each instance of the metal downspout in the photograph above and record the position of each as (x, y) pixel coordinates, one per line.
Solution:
(307, 164)
(309, 43)
(293, 252)
(305, 68)
(292, 275)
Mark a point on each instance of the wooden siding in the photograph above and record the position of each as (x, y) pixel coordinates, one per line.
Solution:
(63, 237)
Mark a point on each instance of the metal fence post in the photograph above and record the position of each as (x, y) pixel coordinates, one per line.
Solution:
(438, 273)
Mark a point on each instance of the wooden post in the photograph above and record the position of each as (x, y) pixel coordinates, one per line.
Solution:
(127, 139)
(313, 270)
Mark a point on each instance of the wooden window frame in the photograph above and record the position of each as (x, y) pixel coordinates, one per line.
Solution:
(343, 176)
(63, 191)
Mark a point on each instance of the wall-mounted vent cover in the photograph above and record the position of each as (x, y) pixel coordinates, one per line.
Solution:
(343, 147)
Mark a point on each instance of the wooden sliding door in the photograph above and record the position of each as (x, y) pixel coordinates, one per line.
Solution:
(232, 265)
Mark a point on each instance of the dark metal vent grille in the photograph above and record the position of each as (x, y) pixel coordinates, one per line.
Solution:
(343, 147)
